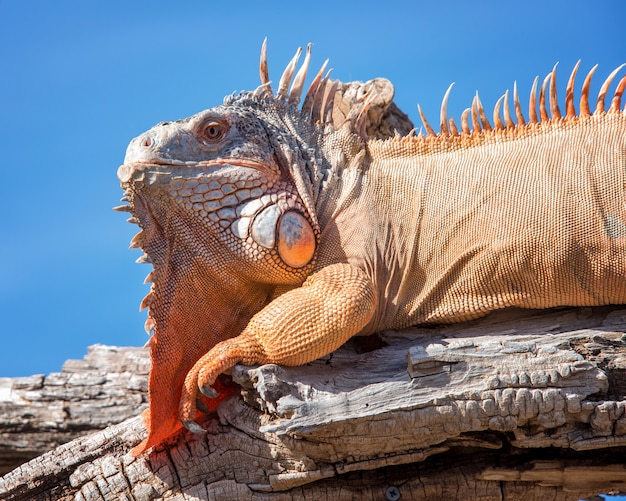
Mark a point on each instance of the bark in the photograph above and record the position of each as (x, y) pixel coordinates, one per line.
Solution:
(520, 405)
(38, 413)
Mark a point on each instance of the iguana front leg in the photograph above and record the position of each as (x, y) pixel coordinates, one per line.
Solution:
(299, 326)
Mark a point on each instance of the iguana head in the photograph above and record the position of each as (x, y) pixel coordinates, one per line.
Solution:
(219, 182)
(225, 204)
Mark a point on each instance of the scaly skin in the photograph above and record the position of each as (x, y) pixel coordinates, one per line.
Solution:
(274, 239)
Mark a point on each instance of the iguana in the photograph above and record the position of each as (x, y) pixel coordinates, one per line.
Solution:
(277, 232)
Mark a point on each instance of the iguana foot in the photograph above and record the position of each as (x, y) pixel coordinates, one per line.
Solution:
(298, 327)
(205, 373)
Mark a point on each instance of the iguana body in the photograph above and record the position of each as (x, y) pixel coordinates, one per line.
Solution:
(276, 233)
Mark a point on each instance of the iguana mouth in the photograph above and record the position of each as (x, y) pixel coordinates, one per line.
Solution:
(136, 169)
(237, 162)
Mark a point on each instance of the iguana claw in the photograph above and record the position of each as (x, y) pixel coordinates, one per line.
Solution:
(193, 427)
(202, 407)
(209, 391)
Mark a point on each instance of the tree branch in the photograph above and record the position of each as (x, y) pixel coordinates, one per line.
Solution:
(520, 405)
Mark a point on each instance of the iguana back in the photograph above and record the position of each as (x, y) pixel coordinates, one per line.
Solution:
(451, 228)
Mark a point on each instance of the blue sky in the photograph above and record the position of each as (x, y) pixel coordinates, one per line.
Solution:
(78, 80)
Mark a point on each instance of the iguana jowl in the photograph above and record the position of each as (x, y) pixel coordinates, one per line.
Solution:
(276, 233)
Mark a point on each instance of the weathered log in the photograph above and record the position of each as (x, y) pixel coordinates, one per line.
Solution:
(38, 413)
(520, 405)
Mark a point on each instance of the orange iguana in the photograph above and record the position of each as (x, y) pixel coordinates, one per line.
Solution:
(277, 232)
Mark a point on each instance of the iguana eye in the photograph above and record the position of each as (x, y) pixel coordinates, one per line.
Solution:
(214, 130)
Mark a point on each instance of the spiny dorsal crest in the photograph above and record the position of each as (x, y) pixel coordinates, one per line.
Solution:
(320, 97)
(474, 119)
(319, 101)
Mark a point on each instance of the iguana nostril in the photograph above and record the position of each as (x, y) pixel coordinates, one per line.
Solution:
(146, 142)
